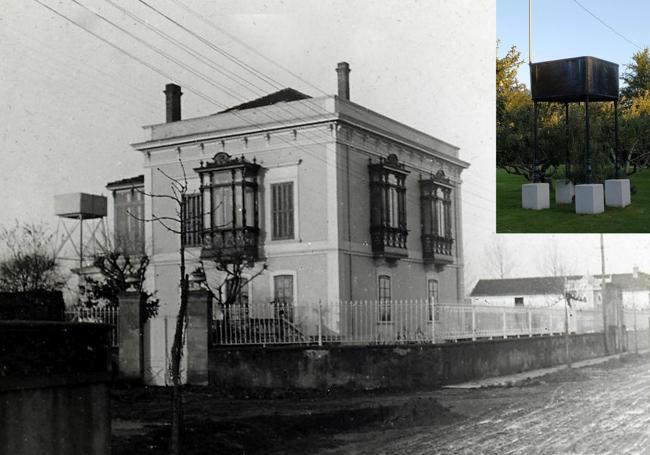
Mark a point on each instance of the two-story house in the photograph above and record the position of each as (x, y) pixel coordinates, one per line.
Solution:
(337, 202)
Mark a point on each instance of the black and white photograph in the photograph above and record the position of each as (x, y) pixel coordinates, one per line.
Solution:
(324, 227)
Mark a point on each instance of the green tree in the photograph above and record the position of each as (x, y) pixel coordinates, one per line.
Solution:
(634, 147)
(636, 76)
(515, 124)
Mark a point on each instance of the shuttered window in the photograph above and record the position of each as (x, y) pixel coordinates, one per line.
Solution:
(282, 211)
(193, 219)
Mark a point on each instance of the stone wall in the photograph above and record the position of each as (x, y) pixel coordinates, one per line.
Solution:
(54, 388)
(393, 367)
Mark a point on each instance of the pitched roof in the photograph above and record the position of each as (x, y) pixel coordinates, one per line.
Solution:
(281, 96)
(554, 285)
(519, 286)
(138, 180)
(628, 282)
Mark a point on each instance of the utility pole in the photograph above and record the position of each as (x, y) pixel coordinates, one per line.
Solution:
(602, 293)
(530, 31)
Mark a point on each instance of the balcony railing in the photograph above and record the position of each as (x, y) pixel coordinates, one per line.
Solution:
(389, 242)
(437, 250)
(231, 244)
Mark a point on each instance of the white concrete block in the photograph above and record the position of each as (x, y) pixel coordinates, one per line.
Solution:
(617, 193)
(564, 191)
(535, 196)
(590, 198)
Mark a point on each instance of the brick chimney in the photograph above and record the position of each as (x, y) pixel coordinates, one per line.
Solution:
(343, 71)
(173, 101)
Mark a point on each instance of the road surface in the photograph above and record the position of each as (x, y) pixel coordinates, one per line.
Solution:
(597, 410)
(601, 409)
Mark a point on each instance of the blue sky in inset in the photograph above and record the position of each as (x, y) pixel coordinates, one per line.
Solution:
(562, 29)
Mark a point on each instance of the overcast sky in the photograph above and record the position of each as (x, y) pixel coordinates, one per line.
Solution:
(72, 104)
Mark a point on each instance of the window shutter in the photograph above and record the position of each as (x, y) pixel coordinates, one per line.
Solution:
(282, 212)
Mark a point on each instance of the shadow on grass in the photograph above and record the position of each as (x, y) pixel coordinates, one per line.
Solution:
(511, 218)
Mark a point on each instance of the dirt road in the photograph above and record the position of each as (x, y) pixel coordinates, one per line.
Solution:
(596, 410)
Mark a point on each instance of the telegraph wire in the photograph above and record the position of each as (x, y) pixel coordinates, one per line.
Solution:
(159, 51)
(206, 60)
(226, 54)
(56, 60)
(250, 69)
(211, 100)
(258, 74)
(607, 25)
(127, 53)
(245, 45)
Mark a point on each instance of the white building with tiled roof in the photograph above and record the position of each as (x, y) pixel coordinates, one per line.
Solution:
(549, 291)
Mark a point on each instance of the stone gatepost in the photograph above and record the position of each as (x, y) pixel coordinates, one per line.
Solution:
(130, 337)
(197, 337)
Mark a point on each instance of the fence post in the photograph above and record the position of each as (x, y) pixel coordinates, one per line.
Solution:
(505, 324)
(530, 322)
(636, 344)
(320, 324)
(433, 320)
(473, 323)
(130, 357)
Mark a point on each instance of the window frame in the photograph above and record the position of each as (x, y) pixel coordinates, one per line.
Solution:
(276, 211)
(385, 313)
(433, 312)
(388, 217)
(290, 309)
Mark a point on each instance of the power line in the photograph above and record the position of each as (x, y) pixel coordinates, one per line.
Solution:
(159, 51)
(206, 97)
(206, 60)
(607, 25)
(263, 77)
(245, 66)
(245, 45)
(127, 53)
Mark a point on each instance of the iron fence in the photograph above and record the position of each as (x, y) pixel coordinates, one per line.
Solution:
(402, 321)
(106, 315)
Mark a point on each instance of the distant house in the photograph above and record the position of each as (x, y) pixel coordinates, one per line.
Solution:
(128, 214)
(549, 291)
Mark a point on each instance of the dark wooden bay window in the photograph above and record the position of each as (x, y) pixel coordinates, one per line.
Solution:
(437, 235)
(388, 208)
(229, 191)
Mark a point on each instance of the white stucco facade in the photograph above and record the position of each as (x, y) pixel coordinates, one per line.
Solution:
(323, 146)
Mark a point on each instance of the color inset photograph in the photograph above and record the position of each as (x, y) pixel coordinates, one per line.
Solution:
(573, 118)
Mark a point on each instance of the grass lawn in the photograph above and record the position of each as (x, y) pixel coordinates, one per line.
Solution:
(635, 218)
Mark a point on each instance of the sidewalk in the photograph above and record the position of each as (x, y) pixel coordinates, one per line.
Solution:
(513, 379)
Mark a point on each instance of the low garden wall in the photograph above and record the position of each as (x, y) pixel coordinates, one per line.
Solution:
(54, 388)
(393, 367)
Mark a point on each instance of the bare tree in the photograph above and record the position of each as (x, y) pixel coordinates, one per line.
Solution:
(177, 225)
(28, 262)
(554, 263)
(120, 271)
(500, 260)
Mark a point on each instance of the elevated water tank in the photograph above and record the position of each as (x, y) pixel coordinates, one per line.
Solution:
(80, 205)
(574, 79)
